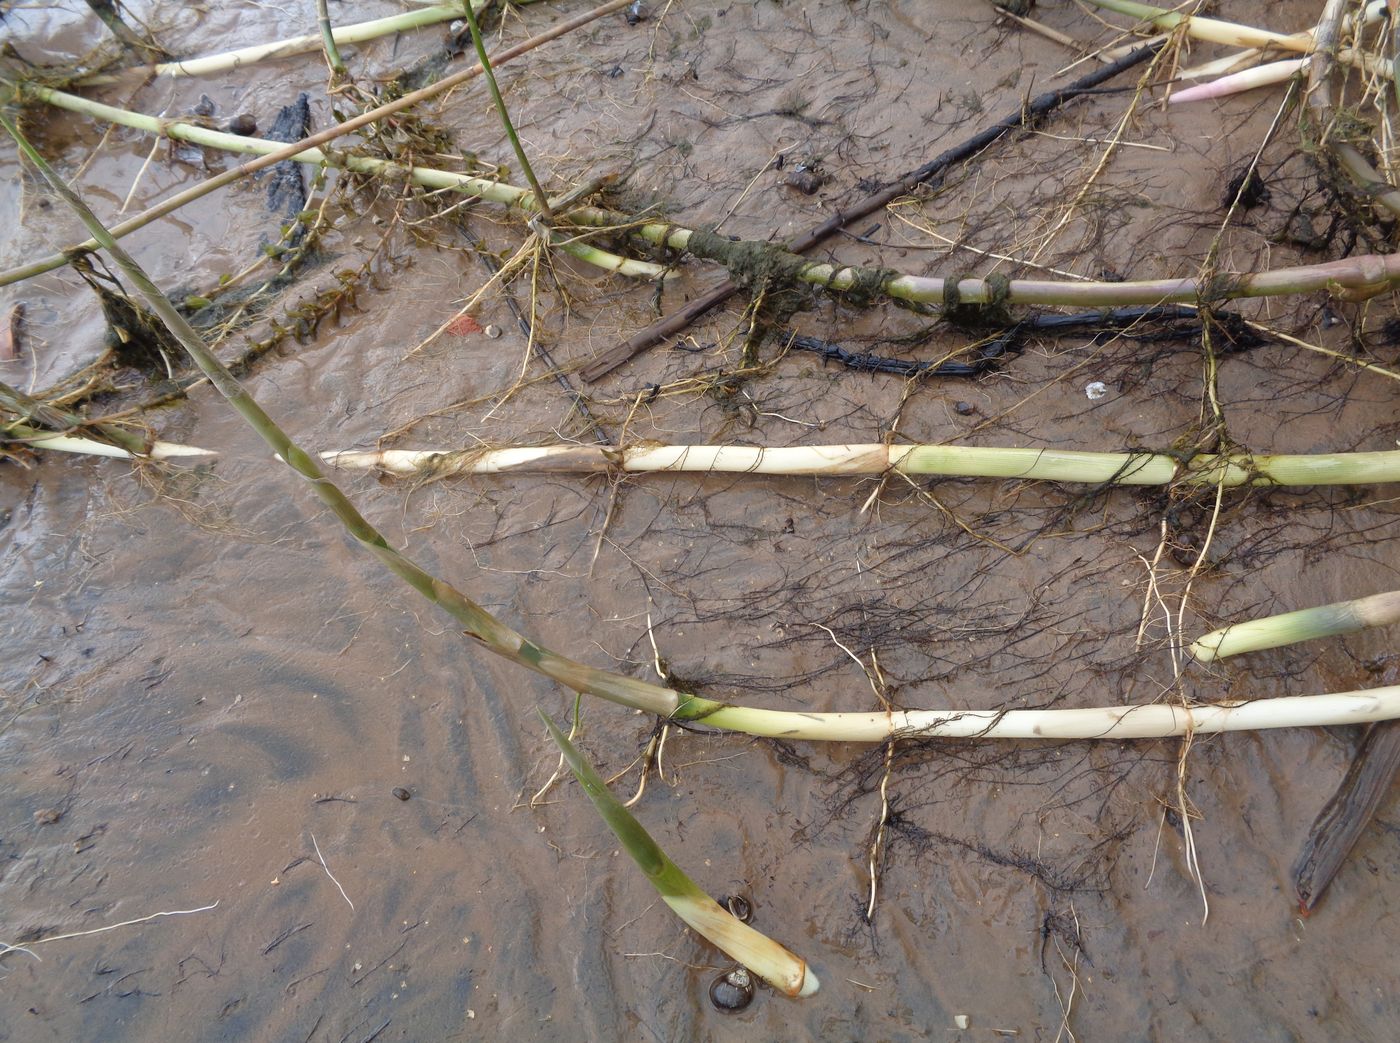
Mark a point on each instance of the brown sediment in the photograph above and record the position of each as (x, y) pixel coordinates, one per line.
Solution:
(203, 674)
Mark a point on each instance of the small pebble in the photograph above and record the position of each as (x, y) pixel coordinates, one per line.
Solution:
(962, 1021)
(401, 793)
(243, 124)
(1095, 391)
(492, 331)
(186, 153)
(964, 409)
(805, 181)
(637, 12)
(47, 816)
(1301, 230)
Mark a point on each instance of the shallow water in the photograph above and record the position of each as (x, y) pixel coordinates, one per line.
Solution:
(208, 683)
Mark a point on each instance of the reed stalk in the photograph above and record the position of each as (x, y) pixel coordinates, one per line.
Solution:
(106, 11)
(1113, 722)
(541, 200)
(328, 42)
(1265, 75)
(1212, 30)
(229, 60)
(1143, 721)
(1056, 465)
(1288, 628)
(1355, 277)
(772, 962)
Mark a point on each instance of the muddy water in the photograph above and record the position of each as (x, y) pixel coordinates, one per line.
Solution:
(213, 692)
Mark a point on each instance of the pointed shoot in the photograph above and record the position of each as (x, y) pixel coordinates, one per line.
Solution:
(759, 953)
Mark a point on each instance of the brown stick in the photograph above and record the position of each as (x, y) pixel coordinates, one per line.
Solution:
(10, 333)
(1345, 817)
(1047, 102)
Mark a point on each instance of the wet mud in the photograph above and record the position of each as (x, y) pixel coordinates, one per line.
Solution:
(213, 700)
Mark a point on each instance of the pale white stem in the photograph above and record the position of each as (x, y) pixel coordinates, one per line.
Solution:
(1213, 30)
(1151, 721)
(1235, 83)
(1221, 66)
(346, 34)
(74, 444)
(1058, 465)
(763, 956)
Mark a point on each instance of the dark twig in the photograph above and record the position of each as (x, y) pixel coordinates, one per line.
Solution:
(1168, 322)
(1022, 117)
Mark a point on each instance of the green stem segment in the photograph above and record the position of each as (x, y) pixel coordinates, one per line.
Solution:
(1342, 617)
(333, 58)
(770, 961)
(541, 200)
(106, 10)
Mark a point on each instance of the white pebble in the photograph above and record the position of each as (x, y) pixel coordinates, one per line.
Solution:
(1097, 390)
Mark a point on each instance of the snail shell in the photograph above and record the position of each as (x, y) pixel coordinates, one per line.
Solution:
(732, 991)
(739, 907)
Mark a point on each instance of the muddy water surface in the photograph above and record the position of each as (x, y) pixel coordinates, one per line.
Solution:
(211, 697)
